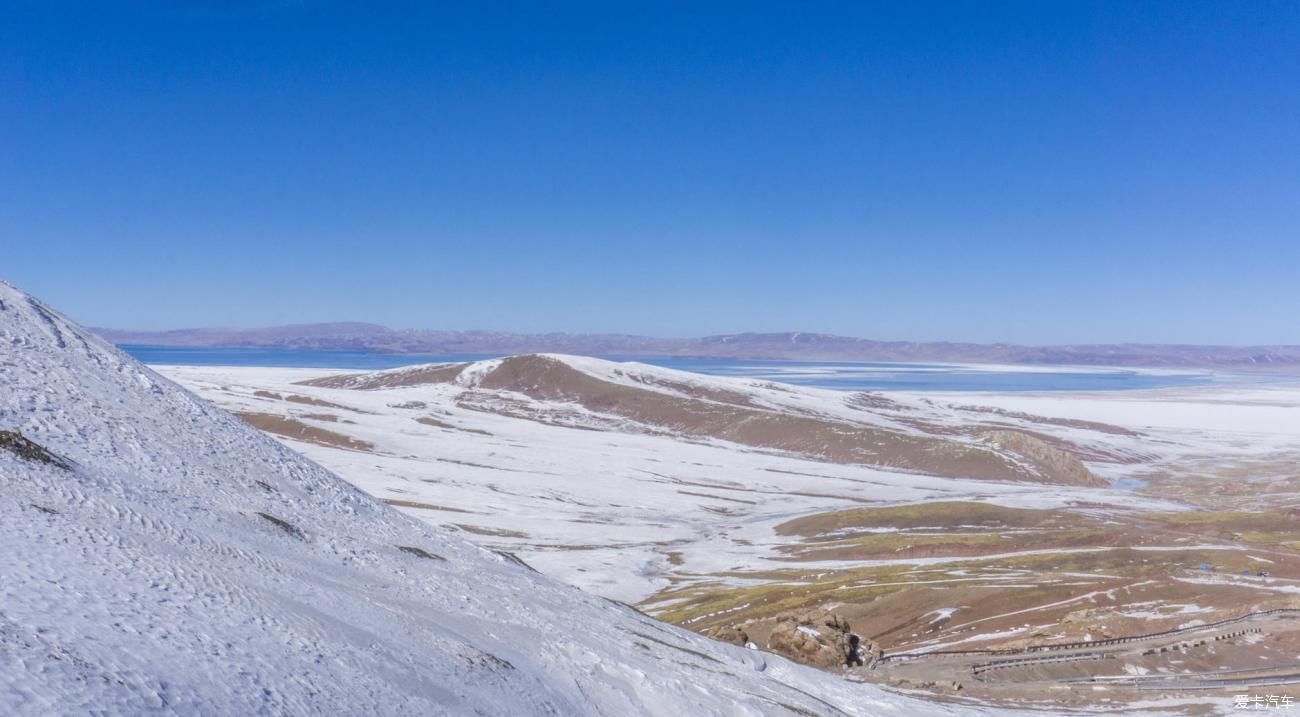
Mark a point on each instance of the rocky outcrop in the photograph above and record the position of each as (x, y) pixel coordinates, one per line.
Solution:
(1054, 464)
(813, 637)
(23, 447)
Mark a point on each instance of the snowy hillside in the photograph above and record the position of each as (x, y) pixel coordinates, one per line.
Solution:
(163, 556)
(626, 479)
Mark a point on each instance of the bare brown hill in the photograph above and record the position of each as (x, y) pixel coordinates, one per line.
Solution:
(710, 412)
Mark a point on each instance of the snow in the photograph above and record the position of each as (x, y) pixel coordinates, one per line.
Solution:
(1247, 581)
(701, 507)
(1002, 634)
(813, 401)
(150, 578)
(1157, 611)
(1217, 411)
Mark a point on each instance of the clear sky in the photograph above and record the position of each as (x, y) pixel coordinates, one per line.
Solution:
(1036, 172)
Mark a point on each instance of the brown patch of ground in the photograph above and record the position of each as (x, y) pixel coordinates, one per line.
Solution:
(718, 497)
(897, 546)
(304, 400)
(1245, 483)
(491, 532)
(546, 379)
(284, 525)
(309, 401)
(707, 393)
(327, 417)
(471, 464)
(1106, 428)
(425, 506)
(1259, 528)
(1100, 452)
(415, 376)
(436, 423)
(1017, 578)
(932, 514)
(419, 552)
(26, 449)
(1008, 602)
(297, 430)
(873, 402)
(1048, 459)
(554, 414)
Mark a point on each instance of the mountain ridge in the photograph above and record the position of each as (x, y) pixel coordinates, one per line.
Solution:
(793, 345)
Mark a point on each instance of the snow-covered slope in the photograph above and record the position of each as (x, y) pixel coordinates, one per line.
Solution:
(823, 425)
(609, 475)
(168, 558)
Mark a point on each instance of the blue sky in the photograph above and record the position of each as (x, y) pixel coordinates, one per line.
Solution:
(1031, 172)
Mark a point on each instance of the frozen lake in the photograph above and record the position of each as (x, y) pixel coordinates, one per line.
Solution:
(843, 375)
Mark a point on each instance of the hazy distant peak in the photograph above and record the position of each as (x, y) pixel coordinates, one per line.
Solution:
(793, 345)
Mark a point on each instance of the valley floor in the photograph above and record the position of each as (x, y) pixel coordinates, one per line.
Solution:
(1184, 513)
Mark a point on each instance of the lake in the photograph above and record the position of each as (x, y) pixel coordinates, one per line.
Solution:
(841, 375)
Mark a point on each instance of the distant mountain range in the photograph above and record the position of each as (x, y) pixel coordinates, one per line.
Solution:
(789, 345)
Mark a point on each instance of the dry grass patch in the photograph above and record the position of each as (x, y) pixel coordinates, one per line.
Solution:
(491, 532)
(419, 552)
(425, 506)
(1278, 525)
(284, 525)
(436, 423)
(414, 376)
(941, 515)
(26, 449)
(299, 431)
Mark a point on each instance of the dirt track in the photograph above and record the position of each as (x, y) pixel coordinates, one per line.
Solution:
(1220, 656)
